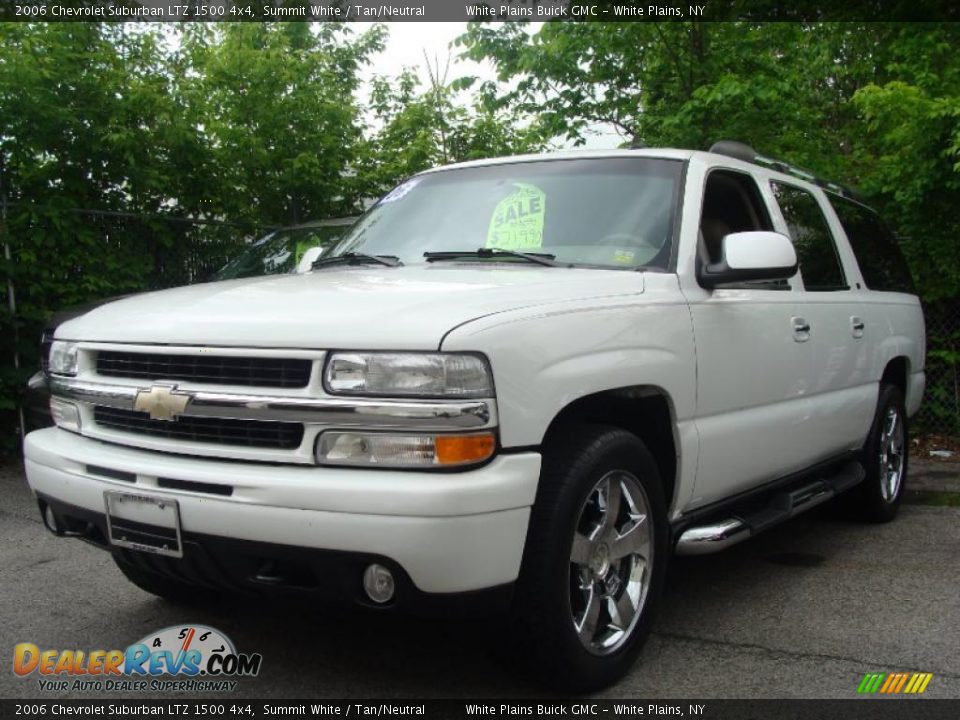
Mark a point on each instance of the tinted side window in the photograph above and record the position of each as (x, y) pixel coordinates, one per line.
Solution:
(816, 248)
(878, 254)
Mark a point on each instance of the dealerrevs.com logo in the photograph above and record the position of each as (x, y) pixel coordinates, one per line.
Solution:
(191, 658)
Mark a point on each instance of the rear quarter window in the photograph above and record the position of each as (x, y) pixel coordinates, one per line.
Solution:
(878, 255)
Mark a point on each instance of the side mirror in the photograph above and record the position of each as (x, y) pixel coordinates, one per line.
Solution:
(750, 256)
(310, 256)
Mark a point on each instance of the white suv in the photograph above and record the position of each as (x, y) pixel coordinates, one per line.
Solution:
(524, 382)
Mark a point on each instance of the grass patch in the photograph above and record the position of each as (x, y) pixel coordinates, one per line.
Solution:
(932, 498)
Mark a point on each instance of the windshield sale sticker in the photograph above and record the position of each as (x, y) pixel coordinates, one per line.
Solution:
(517, 221)
(178, 658)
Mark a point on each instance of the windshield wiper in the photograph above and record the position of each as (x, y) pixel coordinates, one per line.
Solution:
(539, 258)
(352, 258)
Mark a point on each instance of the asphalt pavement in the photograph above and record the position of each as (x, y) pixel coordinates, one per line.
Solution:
(803, 611)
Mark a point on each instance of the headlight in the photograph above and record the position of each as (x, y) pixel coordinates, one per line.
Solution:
(404, 450)
(63, 358)
(408, 374)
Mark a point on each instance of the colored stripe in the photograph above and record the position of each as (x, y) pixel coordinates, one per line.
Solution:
(917, 682)
(867, 679)
(903, 679)
(877, 679)
(926, 681)
(891, 683)
(896, 682)
(912, 685)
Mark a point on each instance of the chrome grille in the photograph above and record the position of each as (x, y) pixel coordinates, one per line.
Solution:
(213, 369)
(221, 431)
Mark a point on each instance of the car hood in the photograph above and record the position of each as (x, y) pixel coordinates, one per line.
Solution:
(365, 307)
(75, 311)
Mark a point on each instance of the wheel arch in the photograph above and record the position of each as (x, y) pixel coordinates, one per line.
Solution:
(646, 411)
(896, 372)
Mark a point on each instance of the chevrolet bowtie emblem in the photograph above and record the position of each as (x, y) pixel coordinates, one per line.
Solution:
(162, 402)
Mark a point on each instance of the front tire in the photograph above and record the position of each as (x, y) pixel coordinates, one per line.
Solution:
(595, 558)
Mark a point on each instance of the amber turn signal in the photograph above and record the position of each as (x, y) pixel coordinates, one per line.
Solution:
(462, 449)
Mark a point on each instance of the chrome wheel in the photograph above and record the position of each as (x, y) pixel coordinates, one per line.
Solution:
(610, 562)
(892, 442)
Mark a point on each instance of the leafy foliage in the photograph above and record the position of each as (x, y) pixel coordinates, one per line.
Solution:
(280, 116)
(137, 157)
(421, 128)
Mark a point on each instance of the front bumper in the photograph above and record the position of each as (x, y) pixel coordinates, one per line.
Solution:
(446, 532)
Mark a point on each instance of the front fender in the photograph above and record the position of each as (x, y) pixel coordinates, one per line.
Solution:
(542, 361)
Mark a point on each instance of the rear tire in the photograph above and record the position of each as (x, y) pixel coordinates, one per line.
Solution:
(174, 591)
(595, 558)
(885, 459)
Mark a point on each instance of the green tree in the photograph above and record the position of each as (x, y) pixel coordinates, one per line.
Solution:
(781, 86)
(77, 102)
(909, 150)
(413, 127)
(281, 115)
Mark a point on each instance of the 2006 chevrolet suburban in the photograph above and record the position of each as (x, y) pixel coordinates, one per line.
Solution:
(525, 381)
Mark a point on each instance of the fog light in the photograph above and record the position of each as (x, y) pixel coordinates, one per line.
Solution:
(65, 414)
(378, 583)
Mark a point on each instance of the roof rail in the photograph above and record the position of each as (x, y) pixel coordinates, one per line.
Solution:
(742, 151)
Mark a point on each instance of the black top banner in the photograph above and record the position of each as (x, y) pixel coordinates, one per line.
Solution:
(476, 10)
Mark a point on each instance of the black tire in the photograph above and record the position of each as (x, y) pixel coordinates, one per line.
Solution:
(575, 460)
(177, 592)
(872, 499)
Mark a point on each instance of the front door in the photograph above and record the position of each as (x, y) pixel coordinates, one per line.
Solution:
(754, 358)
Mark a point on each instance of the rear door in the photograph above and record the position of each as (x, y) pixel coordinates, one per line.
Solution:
(841, 395)
(890, 310)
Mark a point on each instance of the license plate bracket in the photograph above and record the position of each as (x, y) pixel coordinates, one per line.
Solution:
(144, 522)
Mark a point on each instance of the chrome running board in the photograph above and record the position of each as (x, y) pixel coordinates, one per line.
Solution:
(718, 535)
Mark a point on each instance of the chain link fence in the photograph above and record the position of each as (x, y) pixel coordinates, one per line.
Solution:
(55, 259)
(940, 412)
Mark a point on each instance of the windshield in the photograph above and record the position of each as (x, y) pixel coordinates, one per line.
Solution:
(280, 251)
(614, 212)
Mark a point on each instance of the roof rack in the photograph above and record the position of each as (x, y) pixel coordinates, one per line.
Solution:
(742, 151)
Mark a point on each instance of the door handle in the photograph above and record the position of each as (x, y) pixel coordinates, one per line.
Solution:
(856, 326)
(801, 329)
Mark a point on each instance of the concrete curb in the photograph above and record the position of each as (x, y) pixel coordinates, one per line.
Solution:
(934, 476)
